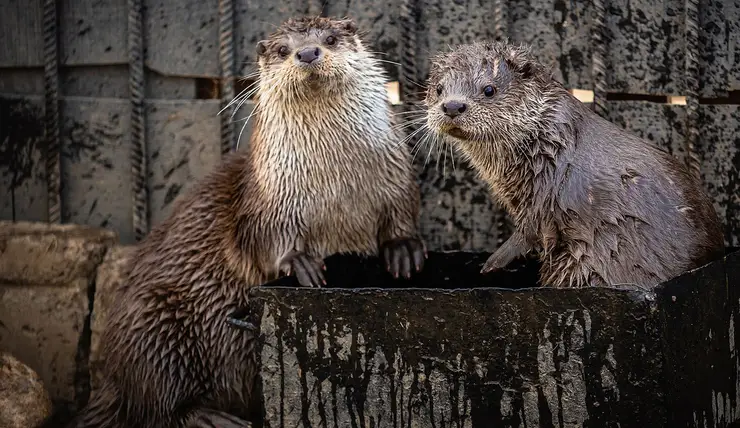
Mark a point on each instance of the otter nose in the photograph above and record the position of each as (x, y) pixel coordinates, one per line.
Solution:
(308, 55)
(454, 108)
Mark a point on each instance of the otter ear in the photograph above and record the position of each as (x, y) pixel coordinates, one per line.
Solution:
(349, 25)
(522, 66)
(261, 47)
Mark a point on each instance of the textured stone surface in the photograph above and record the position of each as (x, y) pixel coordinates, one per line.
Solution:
(45, 277)
(24, 402)
(111, 275)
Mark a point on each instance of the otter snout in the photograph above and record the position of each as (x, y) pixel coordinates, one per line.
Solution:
(454, 108)
(308, 55)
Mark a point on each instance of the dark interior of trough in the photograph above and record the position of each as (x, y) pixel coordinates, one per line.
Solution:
(442, 270)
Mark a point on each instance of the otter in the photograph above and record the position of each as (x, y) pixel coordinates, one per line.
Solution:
(602, 207)
(324, 173)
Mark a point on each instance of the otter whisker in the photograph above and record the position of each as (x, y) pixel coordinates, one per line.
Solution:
(244, 99)
(452, 157)
(421, 142)
(431, 146)
(408, 123)
(417, 112)
(411, 136)
(244, 93)
(378, 53)
(388, 62)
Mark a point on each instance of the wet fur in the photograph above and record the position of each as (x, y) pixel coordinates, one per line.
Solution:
(602, 206)
(323, 174)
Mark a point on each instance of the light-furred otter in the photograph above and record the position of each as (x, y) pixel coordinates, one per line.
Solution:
(324, 173)
(603, 207)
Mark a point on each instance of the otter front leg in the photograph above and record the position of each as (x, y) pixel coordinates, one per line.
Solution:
(403, 254)
(514, 247)
(208, 418)
(398, 242)
(307, 269)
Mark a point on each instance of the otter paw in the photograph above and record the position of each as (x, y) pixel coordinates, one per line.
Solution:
(403, 254)
(308, 270)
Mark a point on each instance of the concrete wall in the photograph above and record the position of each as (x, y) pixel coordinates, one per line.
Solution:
(53, 283)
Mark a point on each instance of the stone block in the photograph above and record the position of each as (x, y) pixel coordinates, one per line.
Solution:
(46, 273)
(111, 275)
(24, 402)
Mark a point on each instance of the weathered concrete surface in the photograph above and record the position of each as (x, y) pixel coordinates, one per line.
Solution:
(24, 402)
(111, 274)
(46, 274)
(436, 357)
(698, 317)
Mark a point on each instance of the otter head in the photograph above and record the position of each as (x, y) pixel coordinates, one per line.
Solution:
(488, 95)
(309, 51)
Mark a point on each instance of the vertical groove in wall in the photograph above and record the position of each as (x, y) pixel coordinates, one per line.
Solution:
(500, 33)
(598, 57)
(51, 111)
(317, 7)
(227, 66)
(408, 73)
(408, 32)
(138, 121)
(692, 85)
(499, 20)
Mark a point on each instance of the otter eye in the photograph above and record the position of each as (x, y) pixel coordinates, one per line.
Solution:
(439, 89)
(283, 51)
(331, 40)
(489, 91)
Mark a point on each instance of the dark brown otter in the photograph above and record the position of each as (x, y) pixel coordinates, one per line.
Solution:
(323, 174)
(603, 207)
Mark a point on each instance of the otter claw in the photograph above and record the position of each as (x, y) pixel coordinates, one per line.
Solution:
(402, 254)
(307, 270)
(493, 264)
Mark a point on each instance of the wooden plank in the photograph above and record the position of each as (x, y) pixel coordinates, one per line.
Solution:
(255, 20)
(96, 168)
(378, 21)
(21, 38)
(443, 23)
(170, 87)
(559, 32)
(645, 44)
(22, 167)
(183, 139)
(93, 32)
(182, 37)
(661, 124)
(458, 211)
(95, 81)
(22, 81)
(716, 23)
(720, 150)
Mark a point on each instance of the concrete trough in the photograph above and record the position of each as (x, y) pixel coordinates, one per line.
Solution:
(453, 348)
